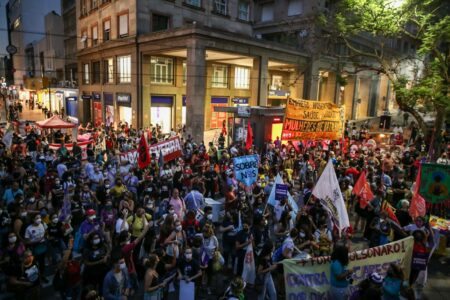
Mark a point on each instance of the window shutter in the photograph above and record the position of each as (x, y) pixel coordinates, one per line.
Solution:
(123, 25)
(94, 32)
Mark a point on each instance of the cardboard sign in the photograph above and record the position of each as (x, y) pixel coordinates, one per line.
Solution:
(312, 120)
(246, 168)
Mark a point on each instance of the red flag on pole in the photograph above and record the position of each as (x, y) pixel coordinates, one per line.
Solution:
(143, 151)
(363, 191)
(386, 207)
(418, 206)
(249, 140)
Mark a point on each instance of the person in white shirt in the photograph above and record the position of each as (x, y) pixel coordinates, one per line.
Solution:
(443, 160)
(96, 178)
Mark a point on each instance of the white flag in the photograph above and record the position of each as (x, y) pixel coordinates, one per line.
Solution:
(249, 270)
(271, 200)
(328, 191)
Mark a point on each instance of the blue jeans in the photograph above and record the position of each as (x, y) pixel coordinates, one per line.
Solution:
(268, 288)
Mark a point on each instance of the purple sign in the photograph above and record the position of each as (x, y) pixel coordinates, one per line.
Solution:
(281, 191)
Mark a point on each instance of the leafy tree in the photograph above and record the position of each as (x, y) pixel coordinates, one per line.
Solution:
(420, 78)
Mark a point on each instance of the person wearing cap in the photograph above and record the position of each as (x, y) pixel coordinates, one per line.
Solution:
(369, 288)
(41, 166)
(90, 224)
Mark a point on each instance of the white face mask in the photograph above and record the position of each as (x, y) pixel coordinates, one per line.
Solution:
(188, 256)
(210, 216)
(31, 200)
(171, 211)
(178, 228)
(55, 220)
(91, 218)
(12, 239)
(96, 241)
(107, 186)
(123, 266)
(302, 234)
(23, 214)
(38, 221)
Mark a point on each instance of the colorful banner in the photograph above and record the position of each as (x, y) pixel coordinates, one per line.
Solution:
(170, 149)
(435, 183)
(439, 223)
(83, 146)
(312, 120)
(310, 278)
(246, 168)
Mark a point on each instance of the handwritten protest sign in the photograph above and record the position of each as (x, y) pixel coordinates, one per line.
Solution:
(246, 168)
(310, 279)
(312, 120)
(171, 149)
(435, 183)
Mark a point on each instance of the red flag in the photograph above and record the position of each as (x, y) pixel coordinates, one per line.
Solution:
(249, 140)
(143, 151)
(418, 206)
(386, 207)
(363, 191)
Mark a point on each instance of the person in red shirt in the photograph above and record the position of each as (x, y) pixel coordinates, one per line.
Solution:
(127, 251)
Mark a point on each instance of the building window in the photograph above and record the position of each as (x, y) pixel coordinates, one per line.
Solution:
(94, 35)
(106, 30)
(108, 74)
(244, 11)
(160, 23)
(267, 12)
(277, 82)
(83, 7)
(161, 70)
(84, 39)
(221, 6)
(123, 25)
(94, 4)
(242, 78)
(220, 76)
(124, 69)
(184, 73)
(196, 3)
(295, 7)
(96, 72)
(86, 74)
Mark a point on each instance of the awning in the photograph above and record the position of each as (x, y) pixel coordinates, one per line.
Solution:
(55, 122)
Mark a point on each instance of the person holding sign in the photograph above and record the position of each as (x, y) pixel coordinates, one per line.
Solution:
(340, 277)
(152, 289)
(188, 271)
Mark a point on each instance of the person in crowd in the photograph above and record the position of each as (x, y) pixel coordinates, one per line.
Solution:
(340, 275)
(264, 267)
(116, 284)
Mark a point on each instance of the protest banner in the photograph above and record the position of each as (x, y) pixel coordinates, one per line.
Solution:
(83, 146)
(310, 278)
(170, 149)
(435, 183)
(249, 269)
(187, 290)
(439, 223)
(281, 191)
(312, 120)
(246, 168)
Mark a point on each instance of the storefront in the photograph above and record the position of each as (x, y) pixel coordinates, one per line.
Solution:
(72, 106)
(97, 116)
(218, 118)
(109, 109)
(124, 105)
(161, 112)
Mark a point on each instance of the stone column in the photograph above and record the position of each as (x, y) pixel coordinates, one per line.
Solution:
(195, 90)
(311, 89)
(264, 80)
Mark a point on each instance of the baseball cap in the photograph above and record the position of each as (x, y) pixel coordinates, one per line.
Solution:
(90, 212)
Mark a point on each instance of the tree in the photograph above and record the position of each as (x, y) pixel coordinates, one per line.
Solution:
(420, 78)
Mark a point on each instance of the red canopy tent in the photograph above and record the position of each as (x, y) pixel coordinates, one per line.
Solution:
(55, 122)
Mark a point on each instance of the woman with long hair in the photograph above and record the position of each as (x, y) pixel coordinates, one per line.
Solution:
(153, 284)
(339, 274)
(264, 267)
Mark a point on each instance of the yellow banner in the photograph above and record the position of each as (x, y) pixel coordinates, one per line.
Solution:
(312, 120)
(439, 223)
(310, 279)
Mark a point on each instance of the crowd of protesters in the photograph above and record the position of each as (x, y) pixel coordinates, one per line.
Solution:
(133, 233)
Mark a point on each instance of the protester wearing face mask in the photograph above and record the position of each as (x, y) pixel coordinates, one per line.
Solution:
(95, 260)
(55, 239)
(90, 224)
(210, 246)
(264, 267)
(207, 217)
(178, 204)
(188, 269)
(121, 222)
(116, 284)
(399, 187)
(35, 237)
(13, 251)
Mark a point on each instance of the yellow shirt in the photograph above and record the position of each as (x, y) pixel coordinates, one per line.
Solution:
(137, 225)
